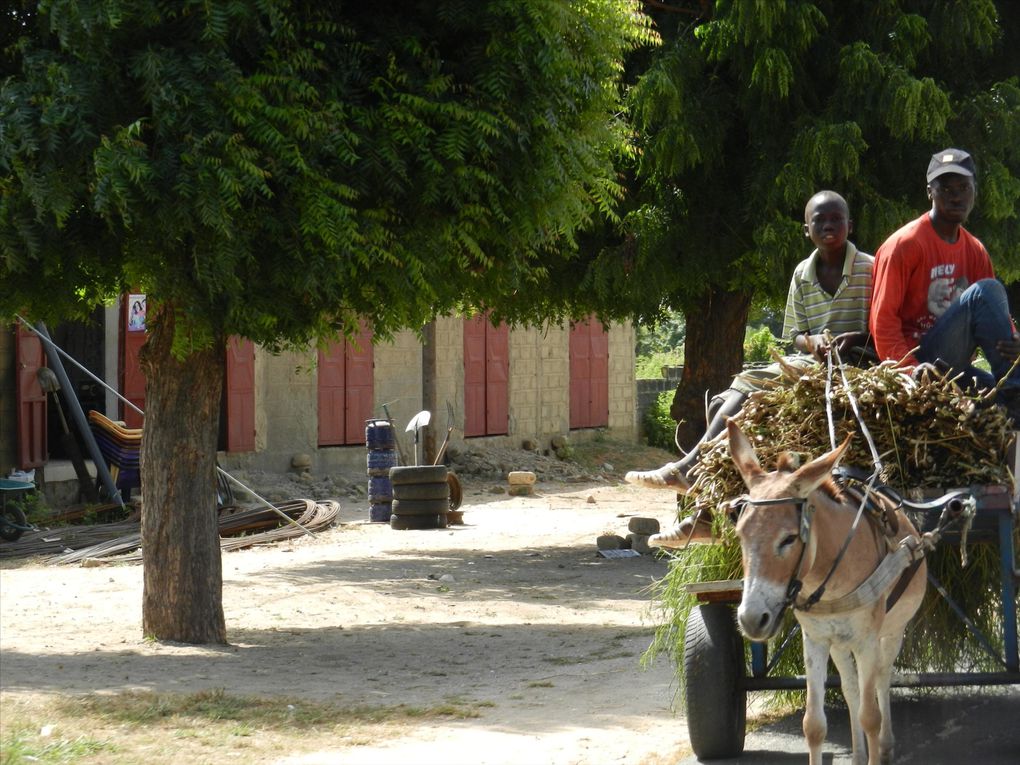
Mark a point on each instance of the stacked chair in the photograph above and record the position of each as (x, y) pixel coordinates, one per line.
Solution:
(121, 448)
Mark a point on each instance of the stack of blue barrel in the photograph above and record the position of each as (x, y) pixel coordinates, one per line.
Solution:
(381, 442)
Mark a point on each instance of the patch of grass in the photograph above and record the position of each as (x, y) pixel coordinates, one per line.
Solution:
(24, 745)
(541, 684)
(157, 728)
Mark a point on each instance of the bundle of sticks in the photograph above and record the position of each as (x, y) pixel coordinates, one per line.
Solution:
(927, 431)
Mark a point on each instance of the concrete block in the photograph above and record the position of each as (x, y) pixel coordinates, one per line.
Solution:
(646, 526)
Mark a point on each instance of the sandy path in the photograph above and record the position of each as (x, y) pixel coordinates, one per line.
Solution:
(512, 610)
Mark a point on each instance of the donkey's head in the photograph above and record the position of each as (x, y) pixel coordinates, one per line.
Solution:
(774, 529)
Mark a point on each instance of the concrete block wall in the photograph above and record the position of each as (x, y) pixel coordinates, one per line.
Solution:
(623, 419)
(554, 402)
(286, 400)
(449, 376)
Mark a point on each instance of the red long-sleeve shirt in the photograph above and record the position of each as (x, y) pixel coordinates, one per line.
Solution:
(917, 276)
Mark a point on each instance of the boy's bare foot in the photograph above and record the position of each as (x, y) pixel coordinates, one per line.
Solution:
(695, 529)
(666, 477)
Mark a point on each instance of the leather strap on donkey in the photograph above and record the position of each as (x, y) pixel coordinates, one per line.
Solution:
(905, 559)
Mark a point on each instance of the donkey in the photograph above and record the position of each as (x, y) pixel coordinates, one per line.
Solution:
(791, 526)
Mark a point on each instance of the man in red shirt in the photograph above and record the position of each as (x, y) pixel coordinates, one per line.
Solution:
(936, 298)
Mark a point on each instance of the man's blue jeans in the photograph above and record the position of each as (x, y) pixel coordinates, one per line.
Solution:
(978, 319)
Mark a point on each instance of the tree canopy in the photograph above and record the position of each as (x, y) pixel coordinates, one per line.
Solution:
(278, 170)
(275, 169)
(749, 108)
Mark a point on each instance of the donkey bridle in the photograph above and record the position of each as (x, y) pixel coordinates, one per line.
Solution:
(795, 584)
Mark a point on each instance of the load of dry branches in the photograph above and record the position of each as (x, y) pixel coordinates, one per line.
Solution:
(927, 431)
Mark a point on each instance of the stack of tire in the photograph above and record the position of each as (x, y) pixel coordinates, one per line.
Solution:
(421, 497)
(381, 441)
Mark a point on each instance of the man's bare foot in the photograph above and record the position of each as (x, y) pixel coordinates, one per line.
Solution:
(667, 477)
(694, 529)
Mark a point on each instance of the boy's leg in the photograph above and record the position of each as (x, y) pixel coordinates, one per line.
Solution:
(674, 475)
(979, 319)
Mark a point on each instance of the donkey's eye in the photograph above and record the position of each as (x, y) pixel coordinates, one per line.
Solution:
(787, 541)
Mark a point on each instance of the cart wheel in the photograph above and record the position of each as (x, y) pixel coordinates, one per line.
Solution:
(714, 689)
(12, 523)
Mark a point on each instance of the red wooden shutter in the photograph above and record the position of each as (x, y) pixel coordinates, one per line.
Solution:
(486, 378)
(599, 411)
(589, 375)
(345, 390)
(132, 381)
(32, 446)
(240, 399)
(360, 387)
(474, 376)
(497, 374)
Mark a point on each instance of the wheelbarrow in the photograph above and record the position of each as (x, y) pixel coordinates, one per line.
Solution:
(12, 518)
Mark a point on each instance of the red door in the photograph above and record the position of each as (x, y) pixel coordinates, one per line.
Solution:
(32, 447)
(345, 390)
(240, 398)
(589, 375)
(486, 378)
(132, 381)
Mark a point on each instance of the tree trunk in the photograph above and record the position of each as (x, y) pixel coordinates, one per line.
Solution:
(713, 354)
(182, 598)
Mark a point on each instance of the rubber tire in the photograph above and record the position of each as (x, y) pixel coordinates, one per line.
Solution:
(714, 694)
(418, 474)
(417, 522)
(456, 492)
(420, 506)
(15, 514)
(421, 491)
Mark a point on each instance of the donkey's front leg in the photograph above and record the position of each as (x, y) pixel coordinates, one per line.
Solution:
(889, 649)
(844, 662)
(869, 673)
(816, 658)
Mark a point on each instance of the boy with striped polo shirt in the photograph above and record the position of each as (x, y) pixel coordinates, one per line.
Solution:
(829, 297)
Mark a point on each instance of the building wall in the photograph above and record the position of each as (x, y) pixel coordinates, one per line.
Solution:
(286, 418)
(623, 417)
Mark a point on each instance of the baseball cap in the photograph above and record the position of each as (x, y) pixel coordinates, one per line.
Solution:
(950, 161)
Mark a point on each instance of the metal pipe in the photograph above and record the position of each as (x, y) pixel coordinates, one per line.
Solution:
(79, 416)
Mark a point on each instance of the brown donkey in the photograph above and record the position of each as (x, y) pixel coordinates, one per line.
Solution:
(792, 526)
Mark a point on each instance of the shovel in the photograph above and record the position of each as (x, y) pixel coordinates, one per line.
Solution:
(418, 422)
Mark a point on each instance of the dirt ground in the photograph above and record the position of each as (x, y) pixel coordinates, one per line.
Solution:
(512, 614)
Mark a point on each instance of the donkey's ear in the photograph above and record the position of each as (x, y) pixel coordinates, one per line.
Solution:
(743, 454)
(807, 478)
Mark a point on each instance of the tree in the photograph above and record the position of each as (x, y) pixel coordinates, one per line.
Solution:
(277, 169)
(750, 107)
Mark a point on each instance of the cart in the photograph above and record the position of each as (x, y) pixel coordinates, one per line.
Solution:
(12, 517)
(718, 674)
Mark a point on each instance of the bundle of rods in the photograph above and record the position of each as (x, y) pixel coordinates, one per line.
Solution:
(927, 431)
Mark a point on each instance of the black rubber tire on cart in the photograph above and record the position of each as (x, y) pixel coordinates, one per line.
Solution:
(14, 517)
(421, 491)
(714, 693)
(417, 474)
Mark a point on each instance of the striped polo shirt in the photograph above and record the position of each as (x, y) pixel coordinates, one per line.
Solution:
(811, 309)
